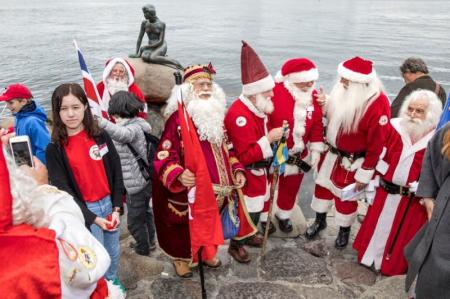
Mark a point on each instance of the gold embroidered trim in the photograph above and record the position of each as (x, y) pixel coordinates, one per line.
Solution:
(167, 171)
(176, 212)
(233, 160)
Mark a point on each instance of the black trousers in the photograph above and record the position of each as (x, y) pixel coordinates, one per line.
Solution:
(140, 219)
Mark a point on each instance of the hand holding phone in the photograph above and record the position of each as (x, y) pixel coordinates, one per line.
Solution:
(21, 150)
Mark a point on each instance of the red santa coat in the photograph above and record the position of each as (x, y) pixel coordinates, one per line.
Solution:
(401, 165)
(305, 124)
(335, 173)
(132, 87)
(170, 202)
(246, 129)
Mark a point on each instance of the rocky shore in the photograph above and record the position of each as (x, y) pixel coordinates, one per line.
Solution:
(291, 268)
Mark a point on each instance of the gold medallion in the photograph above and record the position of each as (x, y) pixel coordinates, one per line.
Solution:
(87, 257)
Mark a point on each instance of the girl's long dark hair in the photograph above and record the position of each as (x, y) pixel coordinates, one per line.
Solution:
(59, 133)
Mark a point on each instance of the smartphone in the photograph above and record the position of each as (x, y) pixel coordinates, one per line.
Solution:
(21, 150)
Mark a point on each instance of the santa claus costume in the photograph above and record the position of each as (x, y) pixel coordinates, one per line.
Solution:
(106, 94)
(46, 250)
(246, 127)
(358, 117)
(170, 196)
(396, 214)
(304, 116)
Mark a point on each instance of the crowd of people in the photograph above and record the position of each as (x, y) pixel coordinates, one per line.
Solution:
(358, 144)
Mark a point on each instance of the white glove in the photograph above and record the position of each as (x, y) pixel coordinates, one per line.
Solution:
(413, 186)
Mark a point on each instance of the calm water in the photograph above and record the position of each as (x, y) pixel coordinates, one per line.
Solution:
(37, 48)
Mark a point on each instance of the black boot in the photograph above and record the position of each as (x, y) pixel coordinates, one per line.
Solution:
(285, 225)
(342, 238)
(272, 227)
(319, 224)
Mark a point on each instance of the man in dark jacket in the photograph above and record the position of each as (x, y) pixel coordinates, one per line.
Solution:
(415, 73)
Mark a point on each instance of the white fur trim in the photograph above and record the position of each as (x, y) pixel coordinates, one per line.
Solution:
(317, 146)
(262, 85)
(251, 107)
(306, 76)
(111, 64)
(364, 175)
(284, 214)
(279, 77)
(114, 292)
(320, 205)
(345, 220)
(375, 249)
(290, 169)
(354, 76)
(256, 204)
(266, 149)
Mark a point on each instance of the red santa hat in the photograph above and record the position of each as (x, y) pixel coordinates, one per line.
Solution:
(254, 75)
(298, 70)
(5, 195)
(112, 62)
(357, 70)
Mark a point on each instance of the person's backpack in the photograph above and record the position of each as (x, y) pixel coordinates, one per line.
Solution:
(151, 145)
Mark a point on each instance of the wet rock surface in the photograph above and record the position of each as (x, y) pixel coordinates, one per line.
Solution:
(290, 269)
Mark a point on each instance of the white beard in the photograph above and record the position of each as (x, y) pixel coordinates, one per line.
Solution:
(416, 128)
(114, 86)
(263, 104)
(303, 99)
(208, 115)
(346, 107)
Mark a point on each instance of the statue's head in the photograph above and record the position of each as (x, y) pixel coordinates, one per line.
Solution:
(149, 12)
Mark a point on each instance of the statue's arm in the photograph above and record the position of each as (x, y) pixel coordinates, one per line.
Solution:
(161, 36)
(141, 35)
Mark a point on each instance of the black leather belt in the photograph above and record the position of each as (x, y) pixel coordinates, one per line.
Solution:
(392, 188)
(258, 165)
(296, 160)
(343, 154)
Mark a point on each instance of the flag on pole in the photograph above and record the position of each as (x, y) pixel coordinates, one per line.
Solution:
(95, 101)
(205, 226)
(281, 155)
(445, 116)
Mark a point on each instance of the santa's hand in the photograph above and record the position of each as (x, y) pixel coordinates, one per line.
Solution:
(38, 172)
(187, 178)
(275, 134)
(103, 223)
(240, 179)
(359, 186)
(321, 96)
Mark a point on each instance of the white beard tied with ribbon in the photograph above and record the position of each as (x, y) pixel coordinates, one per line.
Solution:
(302, 101)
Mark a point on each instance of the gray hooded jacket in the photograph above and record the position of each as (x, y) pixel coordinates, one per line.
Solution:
(129, 131)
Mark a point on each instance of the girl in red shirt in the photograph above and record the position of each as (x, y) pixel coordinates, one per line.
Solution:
(83, 161)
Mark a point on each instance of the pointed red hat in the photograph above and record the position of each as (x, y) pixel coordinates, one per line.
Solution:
(5, 195)
(357, 70)
(254, 75)
(298, 70)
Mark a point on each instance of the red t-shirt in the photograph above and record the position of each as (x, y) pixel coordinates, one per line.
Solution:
(85, 159)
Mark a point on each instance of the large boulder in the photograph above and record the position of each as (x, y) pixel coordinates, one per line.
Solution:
(155, 80)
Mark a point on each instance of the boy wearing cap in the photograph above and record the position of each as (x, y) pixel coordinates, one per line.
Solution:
(30, 118)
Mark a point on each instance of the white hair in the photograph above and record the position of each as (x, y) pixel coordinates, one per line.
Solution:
(23, 190)
(347, 106)
(434, 109)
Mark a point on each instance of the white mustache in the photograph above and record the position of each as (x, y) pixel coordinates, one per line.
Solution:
(204, 93)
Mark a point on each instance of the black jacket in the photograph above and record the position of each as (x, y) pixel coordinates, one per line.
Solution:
(60, 174)
(424, 82)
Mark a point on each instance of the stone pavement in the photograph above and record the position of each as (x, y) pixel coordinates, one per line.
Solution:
(287, 271)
